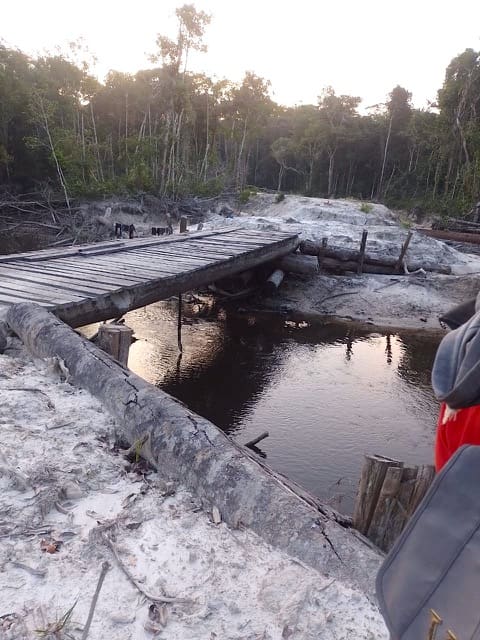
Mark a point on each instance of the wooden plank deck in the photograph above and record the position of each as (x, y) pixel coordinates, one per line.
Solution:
(96, 282)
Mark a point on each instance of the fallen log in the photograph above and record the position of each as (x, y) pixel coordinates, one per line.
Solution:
(339, 254)
(295, 263)
(186, 448)
(274, 281)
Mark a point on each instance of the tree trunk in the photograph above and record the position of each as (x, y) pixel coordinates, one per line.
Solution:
(384, 162)
(188, 449)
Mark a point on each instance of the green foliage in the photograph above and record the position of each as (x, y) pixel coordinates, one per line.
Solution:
(366, 207)
(244, 196)
(168, 131)
(280, 197)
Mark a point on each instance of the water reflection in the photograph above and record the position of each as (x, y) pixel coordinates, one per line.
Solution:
(326, 394)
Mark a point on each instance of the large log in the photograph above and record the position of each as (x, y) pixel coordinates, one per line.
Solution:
(186, 448)
(295, 263)
(340, 254)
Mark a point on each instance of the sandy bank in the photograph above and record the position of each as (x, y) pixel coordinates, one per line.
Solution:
(67, 488)
(412, 302)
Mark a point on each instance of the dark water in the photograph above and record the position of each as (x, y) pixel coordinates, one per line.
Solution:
(327, 395)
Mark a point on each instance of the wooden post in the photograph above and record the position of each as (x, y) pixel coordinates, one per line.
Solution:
(361, 258)
(425, 476)
(383, 509)
(115, 339)
(321, 252)
(179, 323)
(387, 497)
(371, 481)
(403, 252)
(183, 224)
(399, 513)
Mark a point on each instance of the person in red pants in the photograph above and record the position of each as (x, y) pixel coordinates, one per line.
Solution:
(456, 382)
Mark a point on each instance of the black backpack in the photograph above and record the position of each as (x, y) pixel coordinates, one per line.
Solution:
(429, 584)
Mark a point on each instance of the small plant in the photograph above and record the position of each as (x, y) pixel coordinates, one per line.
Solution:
(365, 207)
(280, 197)
(244, 196)
(58, 629)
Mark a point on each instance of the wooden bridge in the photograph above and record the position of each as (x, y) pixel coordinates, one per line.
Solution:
(95, 282)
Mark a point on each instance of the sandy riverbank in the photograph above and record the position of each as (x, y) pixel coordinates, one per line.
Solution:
(69, 497)
(411, 302)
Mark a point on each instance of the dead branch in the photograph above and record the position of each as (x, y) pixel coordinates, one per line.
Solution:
(101, 578)
(144, 593)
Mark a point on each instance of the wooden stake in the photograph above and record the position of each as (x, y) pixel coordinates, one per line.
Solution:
(363, 245)
(115, 339)
(179, 325)
(403, 252)
(371, 481)
(383, 509)
(183, 224)
(321, 252)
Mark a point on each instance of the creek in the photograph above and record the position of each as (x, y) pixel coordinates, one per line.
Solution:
(326, 394)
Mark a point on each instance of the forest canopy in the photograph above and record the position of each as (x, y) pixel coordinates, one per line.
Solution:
(167, 130)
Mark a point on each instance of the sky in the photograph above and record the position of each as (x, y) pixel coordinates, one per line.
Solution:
(359, 47)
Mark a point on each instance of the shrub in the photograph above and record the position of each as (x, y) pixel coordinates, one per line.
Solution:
(280, 197)
(244, 196)
(366, 207)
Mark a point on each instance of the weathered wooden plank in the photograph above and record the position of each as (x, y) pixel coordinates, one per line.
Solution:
(80, 286)
(147, 269)
(116, 304)
(45, 277)
(41, 291)
(9, 299)
(72, 273)
(112, 246)
(36, 296)
(155, 263)
(95, 268)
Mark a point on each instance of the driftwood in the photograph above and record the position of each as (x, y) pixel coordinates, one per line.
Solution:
(335, 256)
(252, 443)
(186, 448)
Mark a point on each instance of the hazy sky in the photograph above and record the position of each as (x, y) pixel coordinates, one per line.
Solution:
(360, 47)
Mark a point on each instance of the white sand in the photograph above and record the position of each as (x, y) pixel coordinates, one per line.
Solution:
(62, 479)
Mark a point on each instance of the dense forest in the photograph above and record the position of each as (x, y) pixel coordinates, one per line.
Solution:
(166, 130)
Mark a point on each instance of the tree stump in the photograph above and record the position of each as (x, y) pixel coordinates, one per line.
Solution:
(388, 495)
(115, 339)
